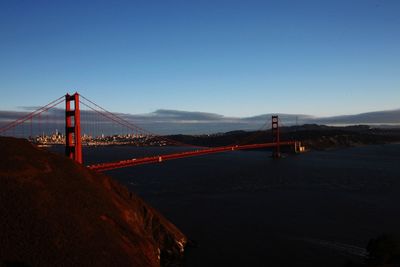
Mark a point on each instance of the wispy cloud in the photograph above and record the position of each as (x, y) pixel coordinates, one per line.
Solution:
(28, 108)
(165, 121)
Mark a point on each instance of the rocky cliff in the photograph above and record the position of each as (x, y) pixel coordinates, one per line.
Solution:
(55, 212)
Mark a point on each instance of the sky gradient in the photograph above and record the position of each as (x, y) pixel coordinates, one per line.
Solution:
(236, 58)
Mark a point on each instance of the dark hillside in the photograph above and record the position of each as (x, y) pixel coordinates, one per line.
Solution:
(57, 213)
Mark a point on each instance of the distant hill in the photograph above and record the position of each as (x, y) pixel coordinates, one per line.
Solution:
(374, 118)
(57, 213)
(313, 136)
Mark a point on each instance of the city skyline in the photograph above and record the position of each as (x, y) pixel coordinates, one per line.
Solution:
(235, 58)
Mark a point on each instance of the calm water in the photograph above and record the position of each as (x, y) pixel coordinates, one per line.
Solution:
(245, 209)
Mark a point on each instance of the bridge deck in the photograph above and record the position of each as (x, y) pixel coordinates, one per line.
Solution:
(154, 159)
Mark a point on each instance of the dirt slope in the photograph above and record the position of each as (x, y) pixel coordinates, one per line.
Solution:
(57, 213)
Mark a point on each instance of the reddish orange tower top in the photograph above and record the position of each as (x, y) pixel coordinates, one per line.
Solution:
(73, 143)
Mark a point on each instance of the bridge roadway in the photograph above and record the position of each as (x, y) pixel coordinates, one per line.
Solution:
(160, 158)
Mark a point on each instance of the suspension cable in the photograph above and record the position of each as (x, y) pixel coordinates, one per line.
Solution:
(109, 115)
(256, 134)
(32, 114)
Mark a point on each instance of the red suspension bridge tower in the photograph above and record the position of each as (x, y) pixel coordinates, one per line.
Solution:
(276, 152)
(73, 143)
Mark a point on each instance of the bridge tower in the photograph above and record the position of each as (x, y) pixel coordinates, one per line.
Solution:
(73, 142)
(276, 151)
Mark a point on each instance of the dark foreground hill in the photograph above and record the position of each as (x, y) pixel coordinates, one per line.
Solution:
(57, 213)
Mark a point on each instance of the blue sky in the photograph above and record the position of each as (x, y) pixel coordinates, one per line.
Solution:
(236, 58)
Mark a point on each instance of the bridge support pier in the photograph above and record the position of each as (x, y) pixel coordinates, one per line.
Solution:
(276, 151)
(298, 147)
(73, 143)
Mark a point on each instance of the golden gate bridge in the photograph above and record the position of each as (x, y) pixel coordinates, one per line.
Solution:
(70, 119)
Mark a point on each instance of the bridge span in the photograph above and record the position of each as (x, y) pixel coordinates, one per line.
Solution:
(73, 128)
(160, 158)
